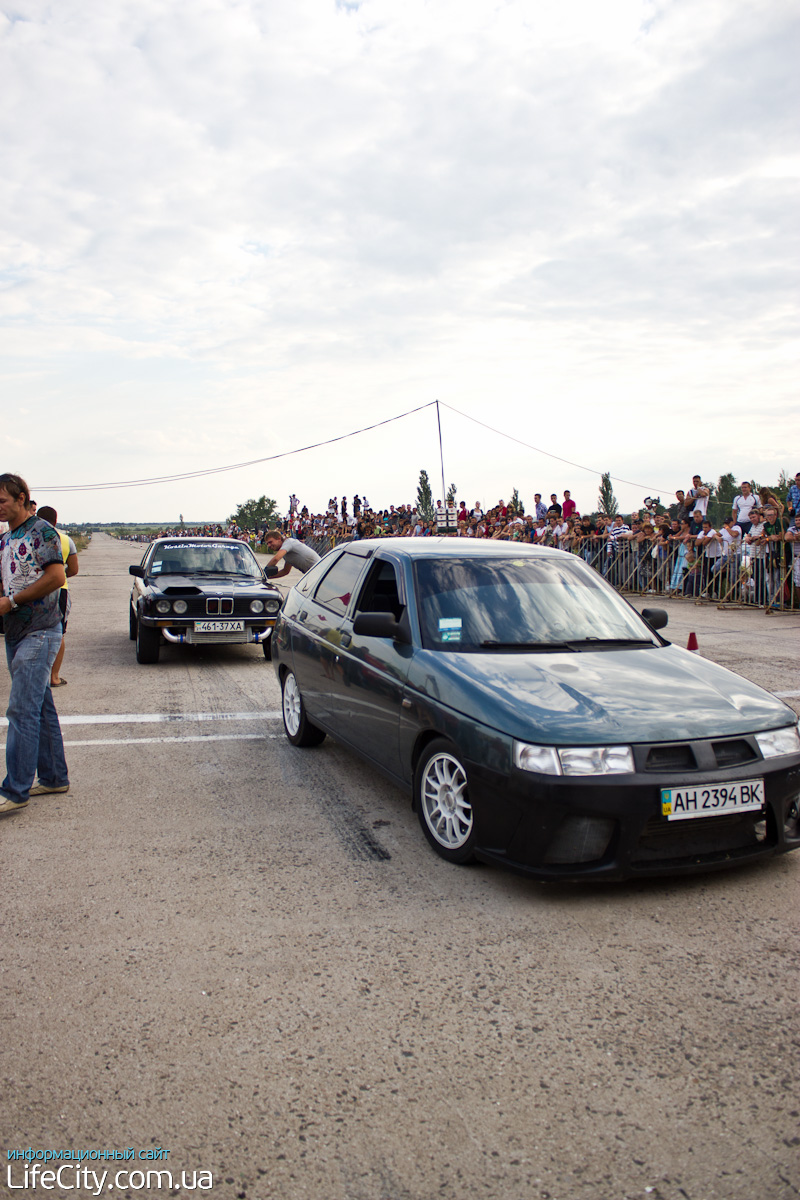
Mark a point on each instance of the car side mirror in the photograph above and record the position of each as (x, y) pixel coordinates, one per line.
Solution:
(656, 618)
(269, 572)
(382, 625)
(137, 571)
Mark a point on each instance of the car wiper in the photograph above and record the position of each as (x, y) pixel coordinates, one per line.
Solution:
(596, 641)
(527, 646)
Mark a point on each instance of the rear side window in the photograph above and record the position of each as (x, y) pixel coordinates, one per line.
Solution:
(340, 582)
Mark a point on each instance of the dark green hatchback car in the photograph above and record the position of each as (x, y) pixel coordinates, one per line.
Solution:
(538, 719)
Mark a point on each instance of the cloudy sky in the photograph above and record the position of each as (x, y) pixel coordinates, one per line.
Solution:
(232, 228)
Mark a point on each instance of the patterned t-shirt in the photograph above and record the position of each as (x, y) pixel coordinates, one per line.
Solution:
(24, 554)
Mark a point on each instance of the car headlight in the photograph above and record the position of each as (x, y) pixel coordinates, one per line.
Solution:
(542, 759)
(779, 741)
(574, 760)
(180, 606)
(596, 760)
(272, 606)
(163, 606)
(256, 606)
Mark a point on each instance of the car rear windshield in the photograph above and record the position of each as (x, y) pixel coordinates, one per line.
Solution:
(526, 603)
(204, 558)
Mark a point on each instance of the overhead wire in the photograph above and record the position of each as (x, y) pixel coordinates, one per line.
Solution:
(199, 474)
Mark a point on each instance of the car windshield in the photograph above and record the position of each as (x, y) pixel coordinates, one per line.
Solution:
(528, 603)
(204, 558)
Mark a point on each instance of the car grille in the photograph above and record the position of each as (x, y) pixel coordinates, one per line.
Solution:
(666, 757)
(670, 758)
(702, 838)
(226, 638)
(732, 752)
(219, 606)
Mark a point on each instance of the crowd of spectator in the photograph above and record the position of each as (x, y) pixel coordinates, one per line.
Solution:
(751, 554)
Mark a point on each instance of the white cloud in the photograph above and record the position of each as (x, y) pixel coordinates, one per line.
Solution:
(283, 220)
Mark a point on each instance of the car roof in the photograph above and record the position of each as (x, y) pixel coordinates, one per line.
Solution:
(451, 547)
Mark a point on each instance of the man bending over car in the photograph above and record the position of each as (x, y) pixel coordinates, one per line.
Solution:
(291, 551)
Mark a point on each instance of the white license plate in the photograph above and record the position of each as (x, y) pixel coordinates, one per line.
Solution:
(705, 800)
(218, 626)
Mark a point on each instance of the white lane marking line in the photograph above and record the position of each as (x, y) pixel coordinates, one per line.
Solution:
(158, 718)
(200, 737)
(783, 695)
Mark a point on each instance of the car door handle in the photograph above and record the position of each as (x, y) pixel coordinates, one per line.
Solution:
(345, 639)
(303, 615)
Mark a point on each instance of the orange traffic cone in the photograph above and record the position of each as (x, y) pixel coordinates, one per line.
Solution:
(692, 643)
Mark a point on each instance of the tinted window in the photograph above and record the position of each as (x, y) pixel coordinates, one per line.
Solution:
(466, 603)
(380, 593)
(339, 584)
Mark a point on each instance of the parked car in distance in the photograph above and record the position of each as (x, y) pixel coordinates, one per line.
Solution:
(200, 591)
(538, 720)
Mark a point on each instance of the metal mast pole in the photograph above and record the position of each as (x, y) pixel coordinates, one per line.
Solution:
(441, 453)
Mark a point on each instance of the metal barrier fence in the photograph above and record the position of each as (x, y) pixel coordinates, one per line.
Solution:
(759, 576)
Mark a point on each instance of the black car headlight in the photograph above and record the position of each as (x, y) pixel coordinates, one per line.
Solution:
(180, 606)
(779, 741)
(272, 606)
(256, 606)
(574, 760)
(163, 606)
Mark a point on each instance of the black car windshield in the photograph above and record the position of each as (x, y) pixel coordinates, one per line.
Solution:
(204, 558)
(525, 603)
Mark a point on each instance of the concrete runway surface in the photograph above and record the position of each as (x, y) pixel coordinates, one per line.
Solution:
(246, 954)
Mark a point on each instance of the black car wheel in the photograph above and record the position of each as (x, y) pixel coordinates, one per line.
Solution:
(299, 730)
(148, 644)
(132, 623)
(442, 802)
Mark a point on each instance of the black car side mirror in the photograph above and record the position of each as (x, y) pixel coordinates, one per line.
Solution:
(656, 618)
(382, 625)
(270, 571)
(137, 571)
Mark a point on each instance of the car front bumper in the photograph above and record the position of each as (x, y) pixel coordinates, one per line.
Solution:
(184, 632)
(611, 827)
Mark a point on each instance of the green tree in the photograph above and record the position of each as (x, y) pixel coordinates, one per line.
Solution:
(515, 505)
(720, 502)
(607, 501)
(424, 497)
(451, 494)
(255, 513)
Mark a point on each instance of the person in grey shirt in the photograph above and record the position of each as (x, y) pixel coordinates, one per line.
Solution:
(291, 551)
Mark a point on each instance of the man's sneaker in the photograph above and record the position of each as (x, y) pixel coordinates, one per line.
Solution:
(8, 806)
(42, 789)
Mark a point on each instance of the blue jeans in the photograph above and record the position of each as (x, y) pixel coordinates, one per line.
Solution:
(34, 734)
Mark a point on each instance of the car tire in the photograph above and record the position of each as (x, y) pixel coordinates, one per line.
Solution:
(148, 644)
(441, 797)
(132, 622)
(266, 646)
(299, 730)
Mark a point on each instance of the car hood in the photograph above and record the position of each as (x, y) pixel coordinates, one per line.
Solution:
(209, 585)
(598, 696)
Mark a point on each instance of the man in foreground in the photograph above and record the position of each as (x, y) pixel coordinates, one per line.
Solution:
(291, 551)
(32, 575)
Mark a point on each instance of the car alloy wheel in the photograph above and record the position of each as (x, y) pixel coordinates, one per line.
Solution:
(443, 804)
(299, 730)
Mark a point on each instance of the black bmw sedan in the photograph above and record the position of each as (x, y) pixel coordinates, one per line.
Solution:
(200, 591)
(538, 720)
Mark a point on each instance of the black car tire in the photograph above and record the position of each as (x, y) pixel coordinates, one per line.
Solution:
(132, 622)
(441, 797)
(299, 730)
(266, 646)
(148, 644)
